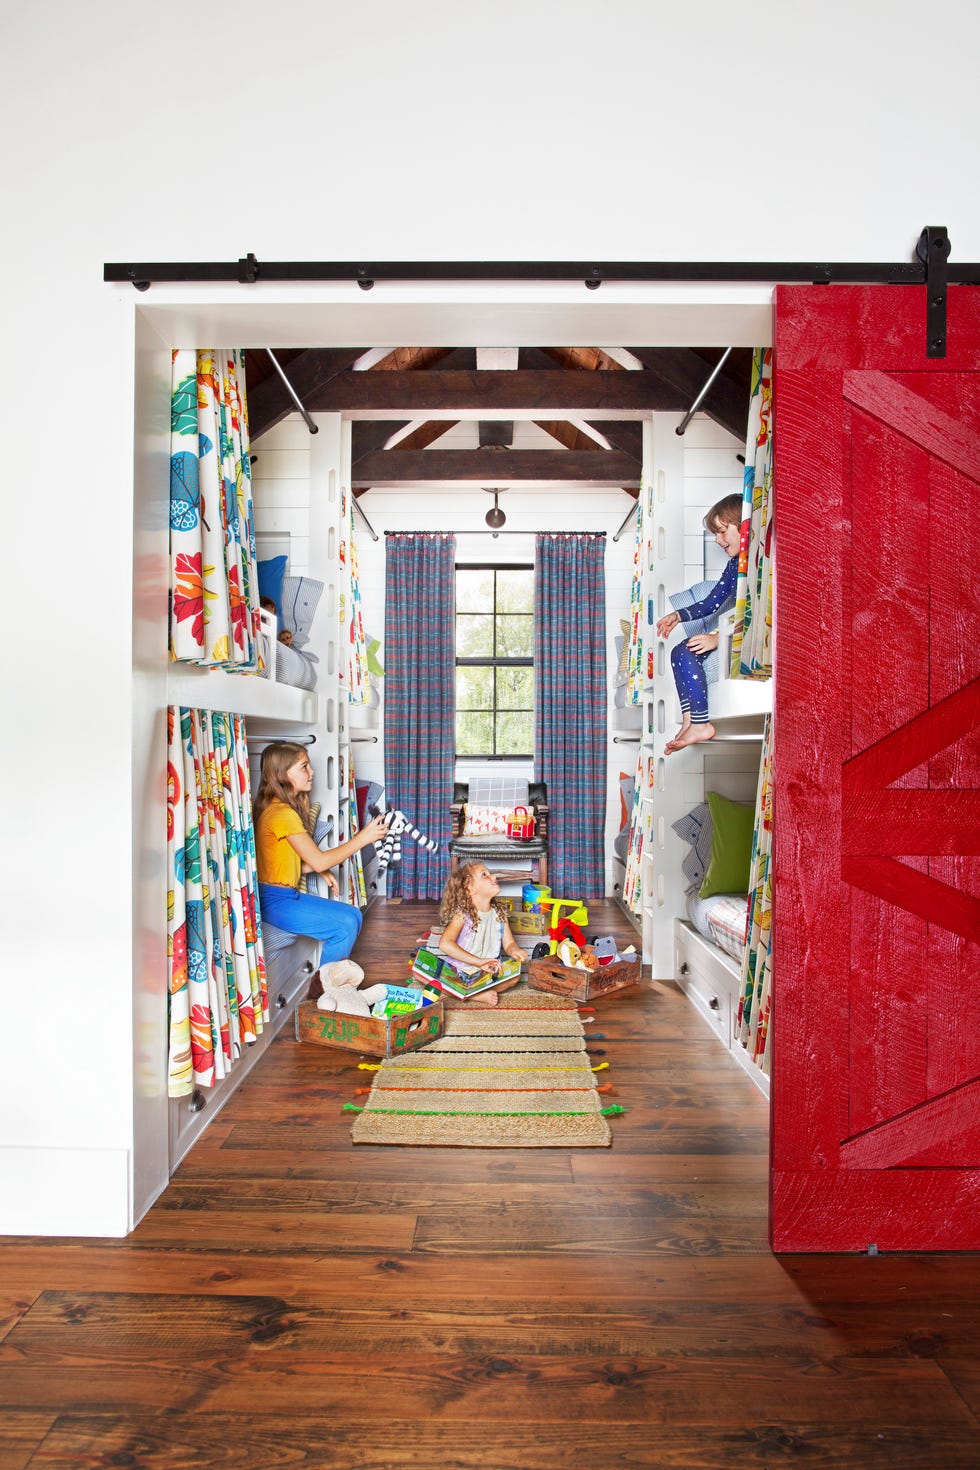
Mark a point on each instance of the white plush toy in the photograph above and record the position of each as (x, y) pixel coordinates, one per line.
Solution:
(340, 979)
(390, 846)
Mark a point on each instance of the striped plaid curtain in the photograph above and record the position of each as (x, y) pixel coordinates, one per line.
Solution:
(420, 703)
(570, 708)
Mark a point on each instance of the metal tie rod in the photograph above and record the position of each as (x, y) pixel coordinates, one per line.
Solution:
(292, 393)
(694, 406)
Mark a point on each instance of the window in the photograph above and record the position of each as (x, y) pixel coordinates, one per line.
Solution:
(494, 660)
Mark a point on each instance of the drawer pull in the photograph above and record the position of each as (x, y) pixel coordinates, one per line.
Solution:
(197, 1101)
(714, 1003)
(684, 968)
(280, 1001)
(309, 967)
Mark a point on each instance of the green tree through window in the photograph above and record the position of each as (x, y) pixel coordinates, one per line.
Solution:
(494, 660)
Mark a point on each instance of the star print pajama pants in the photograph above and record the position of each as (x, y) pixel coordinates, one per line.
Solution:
(692, 686)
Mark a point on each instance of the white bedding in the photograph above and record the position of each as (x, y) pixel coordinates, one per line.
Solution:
(721, 919)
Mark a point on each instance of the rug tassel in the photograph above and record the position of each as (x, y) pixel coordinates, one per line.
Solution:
(601, 1067)
(613, 1108)
(599, 1051)
(606, 1087)
(369, 1066)
(352, 1108)
(360, 1091)
(582, 1010)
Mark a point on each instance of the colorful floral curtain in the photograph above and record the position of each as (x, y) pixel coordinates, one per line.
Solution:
(214, 589)
(351, 618)
(752, 641)
(420, 702)
(633, 882)
(752, 1028)
(641, 555)
(218, 996)
(570, 707)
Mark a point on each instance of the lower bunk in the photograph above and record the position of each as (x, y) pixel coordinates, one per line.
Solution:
(712, 981)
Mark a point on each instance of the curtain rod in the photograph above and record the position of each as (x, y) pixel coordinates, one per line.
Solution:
(495, 533)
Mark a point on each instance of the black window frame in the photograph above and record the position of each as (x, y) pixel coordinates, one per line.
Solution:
(495, 661)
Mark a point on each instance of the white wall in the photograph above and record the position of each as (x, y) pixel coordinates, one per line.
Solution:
(781, 138)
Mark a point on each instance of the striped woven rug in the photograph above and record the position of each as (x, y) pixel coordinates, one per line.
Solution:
(516, 1076)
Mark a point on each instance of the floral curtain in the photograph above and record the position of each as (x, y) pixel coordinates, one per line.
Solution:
(420, 702)
(218, 996)
(633, 881)
(641, 556)
(351, 617)
(570, 707)
(752, 640)
(214, 589)
(752, 1027)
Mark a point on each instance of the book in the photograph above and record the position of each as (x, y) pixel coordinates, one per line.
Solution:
(473, 980)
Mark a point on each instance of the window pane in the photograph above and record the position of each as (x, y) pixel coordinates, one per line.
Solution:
(515, 637)
(515, 591)
(515, 689)
(474, 636)
(515, 733)
(474, 688)
(474, 590)
(474, 734)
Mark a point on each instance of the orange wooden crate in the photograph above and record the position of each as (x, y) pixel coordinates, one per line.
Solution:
(582, 985)
(373, 1036)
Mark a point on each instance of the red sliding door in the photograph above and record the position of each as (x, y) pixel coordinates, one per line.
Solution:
(876, 1031)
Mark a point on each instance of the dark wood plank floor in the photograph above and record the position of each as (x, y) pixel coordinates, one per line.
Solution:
(294, 1301)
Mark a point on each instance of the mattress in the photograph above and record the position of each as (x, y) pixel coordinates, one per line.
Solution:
(721, 919)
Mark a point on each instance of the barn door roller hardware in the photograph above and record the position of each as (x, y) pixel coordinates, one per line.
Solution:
(933, 250)
(249, 271)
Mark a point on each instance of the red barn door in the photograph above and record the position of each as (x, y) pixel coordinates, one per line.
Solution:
(876, 964)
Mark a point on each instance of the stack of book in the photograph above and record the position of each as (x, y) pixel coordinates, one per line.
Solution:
(436, 969)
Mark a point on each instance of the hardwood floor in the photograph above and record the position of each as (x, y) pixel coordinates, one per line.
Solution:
(294, 1301)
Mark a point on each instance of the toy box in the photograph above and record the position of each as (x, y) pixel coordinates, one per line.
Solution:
(582, 985)
(372, 1036)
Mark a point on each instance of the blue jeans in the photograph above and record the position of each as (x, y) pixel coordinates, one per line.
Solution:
(335, 924)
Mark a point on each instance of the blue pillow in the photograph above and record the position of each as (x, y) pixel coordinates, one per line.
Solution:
(271, 573)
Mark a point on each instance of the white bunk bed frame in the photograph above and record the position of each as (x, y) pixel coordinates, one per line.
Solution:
(671, 946)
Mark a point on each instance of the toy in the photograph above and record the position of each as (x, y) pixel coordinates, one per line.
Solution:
(569, 926)
(605, 949)
(389, 847)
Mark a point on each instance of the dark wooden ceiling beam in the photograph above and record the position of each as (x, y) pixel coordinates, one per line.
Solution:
(496, 433)
(544, 394)
(367, 435)
(600, 467)
(269, 402)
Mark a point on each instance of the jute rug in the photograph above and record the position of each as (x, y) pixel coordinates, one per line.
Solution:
(515, 1076)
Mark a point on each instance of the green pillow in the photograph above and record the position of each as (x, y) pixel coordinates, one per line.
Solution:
(732, 824)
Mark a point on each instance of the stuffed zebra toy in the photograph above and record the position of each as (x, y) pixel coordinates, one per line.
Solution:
(390, 847)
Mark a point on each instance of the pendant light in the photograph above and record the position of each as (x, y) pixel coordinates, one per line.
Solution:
(495, 517)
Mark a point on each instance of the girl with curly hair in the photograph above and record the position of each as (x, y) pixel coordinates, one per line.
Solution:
(476, 932)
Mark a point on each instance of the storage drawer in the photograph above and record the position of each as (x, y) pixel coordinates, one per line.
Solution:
(707, 984)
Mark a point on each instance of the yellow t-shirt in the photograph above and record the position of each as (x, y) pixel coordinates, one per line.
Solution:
(278, 861)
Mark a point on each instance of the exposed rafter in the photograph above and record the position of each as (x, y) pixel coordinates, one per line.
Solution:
(599, 467)
(525, 394)
(269, 401)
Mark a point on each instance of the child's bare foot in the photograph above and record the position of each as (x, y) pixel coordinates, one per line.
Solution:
(484, 1000)
(692, 735)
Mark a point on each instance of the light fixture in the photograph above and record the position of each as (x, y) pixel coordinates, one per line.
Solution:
(495, 517)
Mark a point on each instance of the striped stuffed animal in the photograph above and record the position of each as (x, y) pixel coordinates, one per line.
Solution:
(389, 847)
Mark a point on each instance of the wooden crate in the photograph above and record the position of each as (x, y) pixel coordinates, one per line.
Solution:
(372, 1036)
(582, 985)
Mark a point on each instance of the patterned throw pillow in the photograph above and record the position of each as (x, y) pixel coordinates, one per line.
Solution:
(487, 821)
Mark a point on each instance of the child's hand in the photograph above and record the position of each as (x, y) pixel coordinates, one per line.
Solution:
(703, 642)
(668, 623)
(490, 967)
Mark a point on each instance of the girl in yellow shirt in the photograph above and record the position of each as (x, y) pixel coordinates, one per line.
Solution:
(285, 851)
